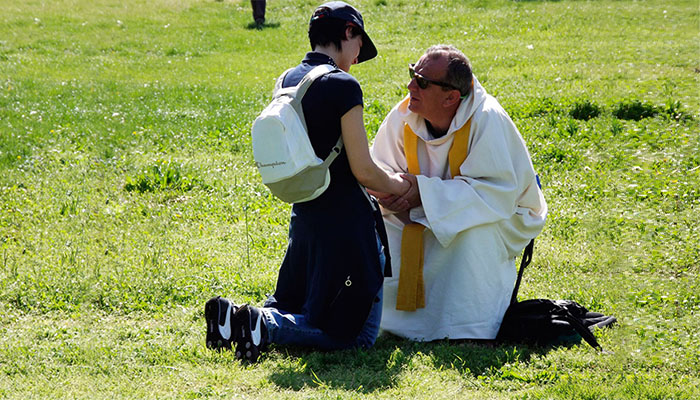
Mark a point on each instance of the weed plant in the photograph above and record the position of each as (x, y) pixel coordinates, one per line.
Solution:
(128, 196)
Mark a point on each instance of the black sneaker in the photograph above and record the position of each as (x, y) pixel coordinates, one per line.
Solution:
(221, 329)
(251, 337)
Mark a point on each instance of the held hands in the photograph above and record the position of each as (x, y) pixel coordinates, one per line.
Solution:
(413, 194)
(409, 199)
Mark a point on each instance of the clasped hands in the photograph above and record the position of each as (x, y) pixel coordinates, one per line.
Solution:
(406, 201)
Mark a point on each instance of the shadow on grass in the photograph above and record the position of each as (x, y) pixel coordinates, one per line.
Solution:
(379, 368)
(264, 25)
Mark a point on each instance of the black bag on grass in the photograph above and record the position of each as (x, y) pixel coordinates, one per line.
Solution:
(548, 322)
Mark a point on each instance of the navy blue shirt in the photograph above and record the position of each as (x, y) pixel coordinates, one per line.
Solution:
(331, 271)
(326, 101)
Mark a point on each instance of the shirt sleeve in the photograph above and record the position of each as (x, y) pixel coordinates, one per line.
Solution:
(345, 91)
(492, 178)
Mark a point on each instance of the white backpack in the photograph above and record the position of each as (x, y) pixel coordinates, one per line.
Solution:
(282, 150)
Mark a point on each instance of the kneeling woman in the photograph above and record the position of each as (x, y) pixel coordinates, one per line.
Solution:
(328, 293)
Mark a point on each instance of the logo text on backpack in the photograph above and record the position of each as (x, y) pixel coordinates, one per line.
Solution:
(274, 164)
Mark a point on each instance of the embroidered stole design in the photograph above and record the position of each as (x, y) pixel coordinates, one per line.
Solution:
(411, 292)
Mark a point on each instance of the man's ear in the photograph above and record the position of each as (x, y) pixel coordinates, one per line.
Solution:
(453, 98)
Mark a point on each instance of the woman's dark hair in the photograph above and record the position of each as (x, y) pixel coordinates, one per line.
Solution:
(324, 31)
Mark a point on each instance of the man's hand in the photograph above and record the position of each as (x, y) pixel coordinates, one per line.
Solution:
(391, 202)
(408, 200)
(412, 196)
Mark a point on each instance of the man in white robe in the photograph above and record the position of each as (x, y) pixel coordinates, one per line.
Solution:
(476, 222)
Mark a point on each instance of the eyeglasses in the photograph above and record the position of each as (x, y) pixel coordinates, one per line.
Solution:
(423, 82)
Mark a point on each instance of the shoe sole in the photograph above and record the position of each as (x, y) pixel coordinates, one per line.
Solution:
(245, 349)
(214, 340)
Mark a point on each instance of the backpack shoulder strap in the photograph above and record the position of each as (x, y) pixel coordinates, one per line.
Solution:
(302, 87)
(280, 80)
(310, 77)
(335, 151)
(297, 93)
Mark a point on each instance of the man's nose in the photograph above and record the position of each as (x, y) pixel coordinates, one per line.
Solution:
(412, 84)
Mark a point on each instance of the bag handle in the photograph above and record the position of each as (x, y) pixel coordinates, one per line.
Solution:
(582, 330)
(524, 262)
(585, 333)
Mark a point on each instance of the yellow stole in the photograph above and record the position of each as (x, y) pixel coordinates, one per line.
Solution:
(411, 293)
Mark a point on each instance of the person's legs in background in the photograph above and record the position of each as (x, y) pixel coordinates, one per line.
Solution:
(258, 11)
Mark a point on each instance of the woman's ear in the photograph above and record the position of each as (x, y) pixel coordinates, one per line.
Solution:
(348, 33)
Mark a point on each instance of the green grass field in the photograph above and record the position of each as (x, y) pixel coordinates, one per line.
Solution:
(128, 196)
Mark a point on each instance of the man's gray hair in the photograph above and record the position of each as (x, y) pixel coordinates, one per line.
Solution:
(459, 69)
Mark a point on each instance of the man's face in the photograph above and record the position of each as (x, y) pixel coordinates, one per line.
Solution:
(428, 102)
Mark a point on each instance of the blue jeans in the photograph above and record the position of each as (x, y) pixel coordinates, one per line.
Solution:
(286, 328)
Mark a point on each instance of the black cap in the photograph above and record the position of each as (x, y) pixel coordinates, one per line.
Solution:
(346, 12)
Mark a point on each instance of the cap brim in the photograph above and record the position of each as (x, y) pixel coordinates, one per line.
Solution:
(367, 51)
